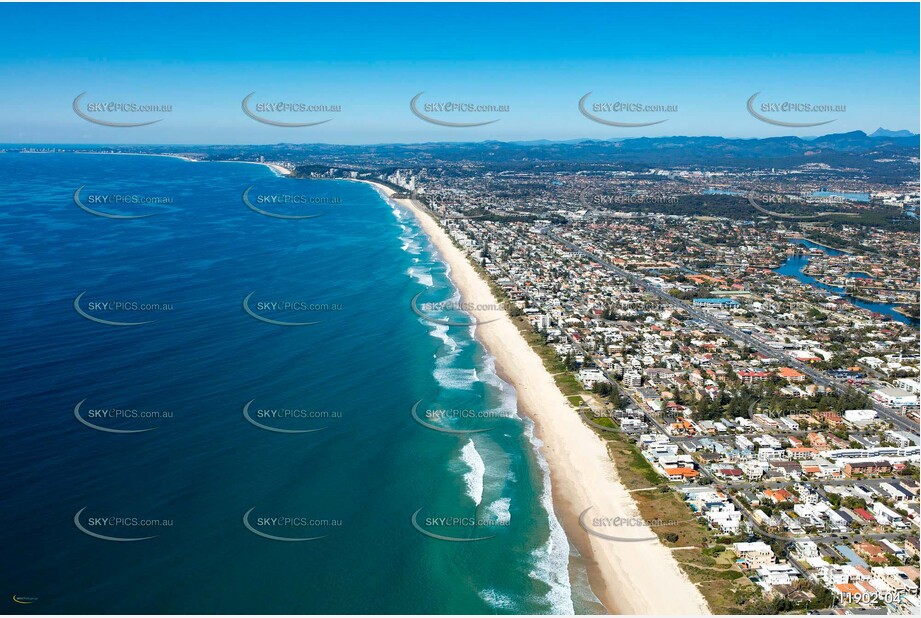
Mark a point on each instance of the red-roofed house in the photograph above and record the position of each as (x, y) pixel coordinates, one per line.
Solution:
(680, 474)
(778, 495)
(865, 515)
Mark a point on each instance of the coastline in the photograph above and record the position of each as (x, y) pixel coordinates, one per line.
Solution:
(275, 167)
(582, 473)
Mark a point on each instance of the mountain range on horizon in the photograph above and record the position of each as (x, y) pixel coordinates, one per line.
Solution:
(901, 137)
(879, 133)
(895, 156)
(850, 141)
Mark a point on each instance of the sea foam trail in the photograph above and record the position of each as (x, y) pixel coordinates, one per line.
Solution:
(421, 274)
(551, 561)
(457, 378)
(508, 404)
(498, 600)
(440, 331)
(500, 510)
(474, 477)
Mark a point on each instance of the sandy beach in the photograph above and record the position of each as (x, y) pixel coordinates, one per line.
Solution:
(278, 169)
(628, 577)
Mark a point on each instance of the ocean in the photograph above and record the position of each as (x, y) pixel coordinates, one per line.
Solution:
(208, 408)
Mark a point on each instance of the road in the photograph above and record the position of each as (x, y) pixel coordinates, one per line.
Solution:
(818, 377)
(817, 483)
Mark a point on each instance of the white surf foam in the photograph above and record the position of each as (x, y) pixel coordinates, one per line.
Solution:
(500, 510)
(551, 561)
(422, 275)
(453, 377)
(474, 477)
(440, 331)
(498, 599)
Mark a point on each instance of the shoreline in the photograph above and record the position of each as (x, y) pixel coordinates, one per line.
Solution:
(582, 473)
(275, 167)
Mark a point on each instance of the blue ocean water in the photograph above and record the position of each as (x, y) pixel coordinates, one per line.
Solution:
(209, 486)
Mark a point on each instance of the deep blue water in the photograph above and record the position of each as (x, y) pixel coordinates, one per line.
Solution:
(795, 264)
(354, 376)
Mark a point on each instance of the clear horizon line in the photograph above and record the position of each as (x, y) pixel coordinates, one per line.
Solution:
(483, 141)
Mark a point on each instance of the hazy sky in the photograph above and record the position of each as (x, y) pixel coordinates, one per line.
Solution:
(372, 59)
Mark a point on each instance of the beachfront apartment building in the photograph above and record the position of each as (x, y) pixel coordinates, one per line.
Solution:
(754, 555)
(590, 376)
(724, 517)
(807, 549)
(771, 575)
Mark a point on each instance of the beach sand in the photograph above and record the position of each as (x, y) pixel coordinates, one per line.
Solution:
(628, 577)
(282, 171)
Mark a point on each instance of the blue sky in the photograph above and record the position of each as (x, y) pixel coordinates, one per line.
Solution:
(371, 59)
